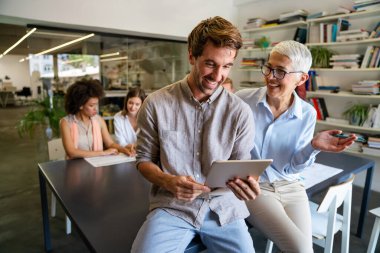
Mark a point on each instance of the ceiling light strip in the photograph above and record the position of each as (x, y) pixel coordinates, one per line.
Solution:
(109, 55)
(18, 42)
(66, 44)
(114, 59)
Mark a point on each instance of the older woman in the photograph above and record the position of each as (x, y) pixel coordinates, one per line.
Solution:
(83, 131)
(284, 131)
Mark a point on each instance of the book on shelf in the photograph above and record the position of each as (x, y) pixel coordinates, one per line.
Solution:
(320, 107)
(375, 33)
(300, 35)
(367, 54)
(362, 89)
(318, 14)
(314, 34)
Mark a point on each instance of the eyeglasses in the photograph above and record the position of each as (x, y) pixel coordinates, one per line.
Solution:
(277, 73)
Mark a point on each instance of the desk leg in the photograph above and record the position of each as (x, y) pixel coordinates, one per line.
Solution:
(45, 212)
(365, 199)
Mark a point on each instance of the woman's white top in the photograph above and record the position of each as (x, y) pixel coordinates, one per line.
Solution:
(124, 132)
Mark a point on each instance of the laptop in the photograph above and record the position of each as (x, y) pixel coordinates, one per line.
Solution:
(222, 171)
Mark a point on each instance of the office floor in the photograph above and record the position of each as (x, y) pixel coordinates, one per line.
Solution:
(20, 211)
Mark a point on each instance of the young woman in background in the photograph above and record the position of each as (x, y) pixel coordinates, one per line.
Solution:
(83, 131)
(125, 121)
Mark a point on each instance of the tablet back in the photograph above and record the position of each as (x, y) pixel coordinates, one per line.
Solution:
(222, 171)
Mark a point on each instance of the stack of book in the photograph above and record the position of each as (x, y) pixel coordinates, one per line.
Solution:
(249, 62)
(254, 23)
(248, 43)
(373, 142)
(366, 87)
(372, 147)
(350, 35)
(371, 57)
(345, 61)
(292, 16)
(366, 5)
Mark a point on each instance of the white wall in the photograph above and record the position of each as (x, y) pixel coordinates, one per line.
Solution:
(17, 71)
(271, 9)
(163, 17)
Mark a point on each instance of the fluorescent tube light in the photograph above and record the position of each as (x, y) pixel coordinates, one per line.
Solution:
(66, 44)
(18, 42)
(114, 59)
(109, 55)
(24, 59)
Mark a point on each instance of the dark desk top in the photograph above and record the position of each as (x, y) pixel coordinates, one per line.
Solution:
(109, 204)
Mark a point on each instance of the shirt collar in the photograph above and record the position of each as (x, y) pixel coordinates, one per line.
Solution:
(185, 87)
(294, 110)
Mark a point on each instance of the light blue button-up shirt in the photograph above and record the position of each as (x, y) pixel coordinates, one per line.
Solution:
(287, 140)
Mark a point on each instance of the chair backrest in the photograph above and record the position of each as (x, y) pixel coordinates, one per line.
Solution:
(56, 150)
(335, 193)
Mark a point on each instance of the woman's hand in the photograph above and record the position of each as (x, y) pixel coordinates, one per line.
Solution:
(130, 150)
(110, 151)
(328, 142)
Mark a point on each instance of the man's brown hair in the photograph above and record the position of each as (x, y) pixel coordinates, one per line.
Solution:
(217, 30)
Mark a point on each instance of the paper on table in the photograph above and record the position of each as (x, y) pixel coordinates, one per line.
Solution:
(317, 173)
(106, 160)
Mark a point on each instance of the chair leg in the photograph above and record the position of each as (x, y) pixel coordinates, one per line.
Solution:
(374, 236)
(53, 205)
(346, 222)
(68, 225)
(269, 246)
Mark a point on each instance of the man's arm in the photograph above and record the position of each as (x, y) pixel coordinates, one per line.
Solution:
(183, 187)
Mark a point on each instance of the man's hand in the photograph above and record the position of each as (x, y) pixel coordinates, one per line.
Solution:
(326, 141)
(244, 189)
(185, 187)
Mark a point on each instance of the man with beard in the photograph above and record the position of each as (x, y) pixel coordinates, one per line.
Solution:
(185, 127)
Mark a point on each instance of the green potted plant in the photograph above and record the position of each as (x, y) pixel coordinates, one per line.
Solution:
(357, 114)
(46, 113)
(321, 56)
(263, 42)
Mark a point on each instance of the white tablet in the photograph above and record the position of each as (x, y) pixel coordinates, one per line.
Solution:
(222, 171)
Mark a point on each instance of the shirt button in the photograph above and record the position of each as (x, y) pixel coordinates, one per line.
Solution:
(197, 153)
(199, 130)
(197, 175)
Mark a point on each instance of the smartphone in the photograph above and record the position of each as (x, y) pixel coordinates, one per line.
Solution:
(343, 136)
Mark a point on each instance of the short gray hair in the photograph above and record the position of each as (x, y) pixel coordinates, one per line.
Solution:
(298, 53)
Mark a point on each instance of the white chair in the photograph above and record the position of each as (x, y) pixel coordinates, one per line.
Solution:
(57, 152)
(325, 219)
(375, 231)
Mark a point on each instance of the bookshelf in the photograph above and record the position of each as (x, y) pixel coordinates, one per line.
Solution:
(336, 103)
